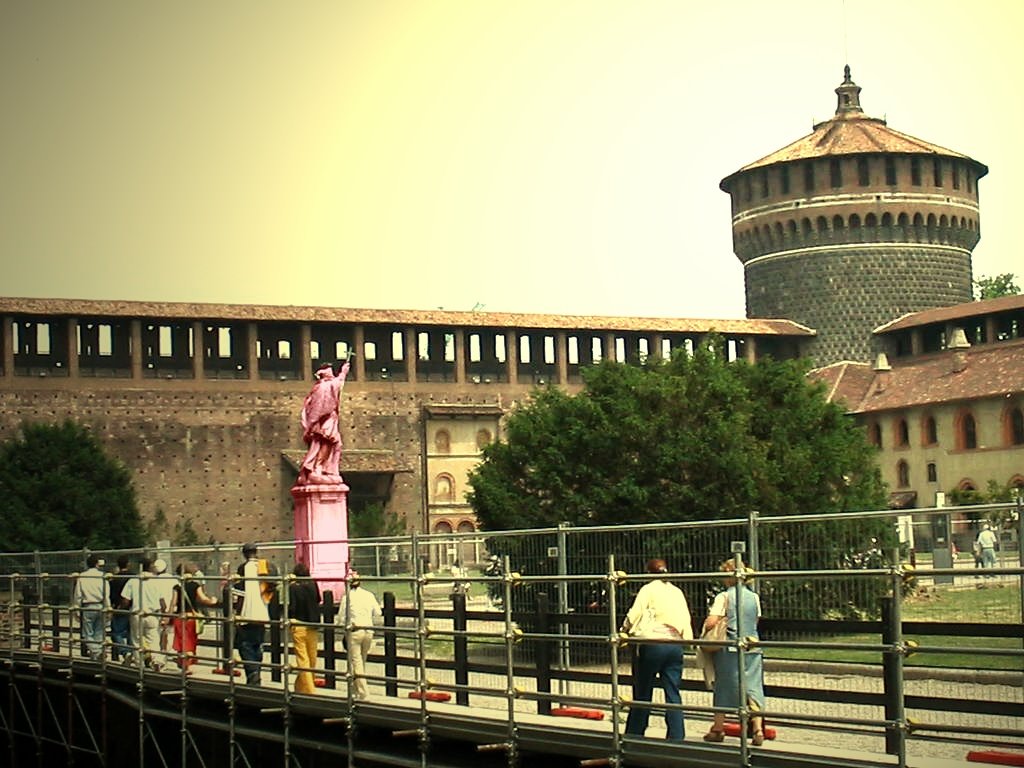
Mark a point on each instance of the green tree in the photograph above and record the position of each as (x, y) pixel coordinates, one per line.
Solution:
(696, 438)
(691, 439)
(60, 490)
(374, 522)
(994, 287)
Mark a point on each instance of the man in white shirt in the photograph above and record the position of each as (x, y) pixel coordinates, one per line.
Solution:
(986, 543)
(659, 612)
(359, 614)
(92, 599)
(252, 614)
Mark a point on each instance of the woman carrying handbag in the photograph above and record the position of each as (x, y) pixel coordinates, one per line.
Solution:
(726, 682)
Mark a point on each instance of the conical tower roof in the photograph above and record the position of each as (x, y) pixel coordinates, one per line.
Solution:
(850, 132)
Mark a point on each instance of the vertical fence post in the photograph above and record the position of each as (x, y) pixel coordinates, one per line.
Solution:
(892, 675)
(542, 653)
(753, 534)
(390, 645)
(329, 610)
(461, 646)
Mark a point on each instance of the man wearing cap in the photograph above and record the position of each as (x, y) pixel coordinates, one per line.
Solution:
(92, 599)
(252, 613)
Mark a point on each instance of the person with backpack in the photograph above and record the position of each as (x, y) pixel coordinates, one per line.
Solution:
(254, 596)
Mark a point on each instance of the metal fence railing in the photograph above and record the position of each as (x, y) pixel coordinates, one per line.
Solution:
(542, 627)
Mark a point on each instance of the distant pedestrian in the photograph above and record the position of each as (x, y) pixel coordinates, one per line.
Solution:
(187, 602)
(253, 594)
(92, 600)
(359, 614)
(986, 544)
(304, 619)
(120, 620)
(659, 612)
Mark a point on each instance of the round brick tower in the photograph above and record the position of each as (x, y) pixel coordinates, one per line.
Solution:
(853, 226)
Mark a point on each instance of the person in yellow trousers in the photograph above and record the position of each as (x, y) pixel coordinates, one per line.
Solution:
(304, 613)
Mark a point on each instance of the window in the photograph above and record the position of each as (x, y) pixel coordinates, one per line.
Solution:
(915, 171)
(1015, 426)
(937, 172)
(933, 475)
(966, 431)
(956, 176)
(929, 431)
(835, 173)
(444, 488)
(483, 438)
(875, 434)
(808, 177)
(784, 179)
(764, 184)
(442, 441)
(863, 176)
(902, 474)
(902, 434)
(890, 171)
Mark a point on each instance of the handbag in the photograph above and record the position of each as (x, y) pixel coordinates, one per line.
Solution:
(719, 632)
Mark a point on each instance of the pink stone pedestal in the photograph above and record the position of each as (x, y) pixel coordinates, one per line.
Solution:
(321, 530)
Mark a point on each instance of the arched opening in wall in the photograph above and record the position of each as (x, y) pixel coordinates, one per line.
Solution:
(837, 223)
(778, 233)
(875, 434)
(890, 171)
(970, 224)
(805, 226)
(933, 472)
(1017, 481)
(483, 438)
(791, 228)
(902, 474)
(854, 222)
(766, 236)
(902, 436)
(886, 219)
(469, 548)
(1013, 425)
(871, 220)
(443, 526)
(936, 172)
(932, 222)
(903, 220)
(966, 485)
(444, 488)
(821, 225)
(966, 430)
(918, 220)
(943, 221)
(956, 175)
(442, 441)
(929, 430)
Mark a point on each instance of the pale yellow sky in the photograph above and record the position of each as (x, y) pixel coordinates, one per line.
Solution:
(530, 156)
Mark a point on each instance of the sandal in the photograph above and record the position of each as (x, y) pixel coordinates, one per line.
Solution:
(758, 738)
(714, 735)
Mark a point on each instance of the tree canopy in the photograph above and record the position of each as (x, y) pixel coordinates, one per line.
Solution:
(994, 287)
(693, 438)
(60, 490)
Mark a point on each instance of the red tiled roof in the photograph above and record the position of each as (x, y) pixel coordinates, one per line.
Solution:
(274, 313)
(953, 312)
(992, 370)
(845, 382)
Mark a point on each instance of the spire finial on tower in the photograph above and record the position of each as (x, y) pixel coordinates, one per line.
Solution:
(849, 95)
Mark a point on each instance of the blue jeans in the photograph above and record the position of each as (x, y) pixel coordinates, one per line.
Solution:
(249, 642)
(92, 632)
(662, 661)
(119, 634)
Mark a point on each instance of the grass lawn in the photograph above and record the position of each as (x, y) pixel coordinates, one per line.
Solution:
(992, 604)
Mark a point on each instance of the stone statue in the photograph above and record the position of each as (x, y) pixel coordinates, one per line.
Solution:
(320, 428)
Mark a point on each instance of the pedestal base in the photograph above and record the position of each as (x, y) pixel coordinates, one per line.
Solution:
(321, 530)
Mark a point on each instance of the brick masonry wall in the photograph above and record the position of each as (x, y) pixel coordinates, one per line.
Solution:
(214, 453)
(865, 288)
